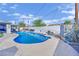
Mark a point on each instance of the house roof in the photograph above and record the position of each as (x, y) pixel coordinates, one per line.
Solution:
(5, 23)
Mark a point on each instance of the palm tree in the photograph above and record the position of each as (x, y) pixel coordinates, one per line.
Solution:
(67, 24)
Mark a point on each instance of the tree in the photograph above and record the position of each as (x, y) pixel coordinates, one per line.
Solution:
(67, 25)
(22, 24)
(38, 23)
(67, 22)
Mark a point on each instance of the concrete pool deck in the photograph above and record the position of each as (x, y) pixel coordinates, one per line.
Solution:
(46, 48)
(51, 47)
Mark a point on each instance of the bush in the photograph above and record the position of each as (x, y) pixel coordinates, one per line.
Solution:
(1, 35)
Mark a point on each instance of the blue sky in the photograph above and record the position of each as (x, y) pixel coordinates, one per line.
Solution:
(49, 12)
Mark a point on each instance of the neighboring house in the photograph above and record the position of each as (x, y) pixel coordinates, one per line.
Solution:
(54, 24)
(5, 27)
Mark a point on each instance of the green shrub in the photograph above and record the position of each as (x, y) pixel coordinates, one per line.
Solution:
(1, 35)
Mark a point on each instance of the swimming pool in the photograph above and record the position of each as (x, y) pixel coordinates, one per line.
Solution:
(30, 38)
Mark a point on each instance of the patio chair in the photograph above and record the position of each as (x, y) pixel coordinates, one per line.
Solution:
(50, 33)
(32, 30)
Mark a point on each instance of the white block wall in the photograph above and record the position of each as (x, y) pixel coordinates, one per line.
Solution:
(8, 28)
(55, 29)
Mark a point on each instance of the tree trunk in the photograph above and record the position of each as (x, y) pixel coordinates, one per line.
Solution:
(76, 23)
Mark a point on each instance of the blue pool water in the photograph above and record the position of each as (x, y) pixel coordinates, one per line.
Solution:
(30, 38)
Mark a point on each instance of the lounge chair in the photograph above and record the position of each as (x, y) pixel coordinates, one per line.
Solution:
(32, 30)
(50, 33)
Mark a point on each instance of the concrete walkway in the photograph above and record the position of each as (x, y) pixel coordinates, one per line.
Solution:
(46, 48)
(51, 47)
(64, 49)
(9, 51)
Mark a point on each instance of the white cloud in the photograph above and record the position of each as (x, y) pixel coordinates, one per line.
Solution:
(34, 18)
(5, 11)
(59, 21)
(70, 12)
(72, 6)
(14, 6)
(69, 9)
(30, 15)
(37, 17)
(29, 18)
(4, 4)
(16, 14)
(48, 21)
(53, 21)
(69, 17)
(66, 6)
(24, 17)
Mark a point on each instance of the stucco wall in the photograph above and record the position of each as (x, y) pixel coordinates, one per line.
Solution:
(55, 29)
